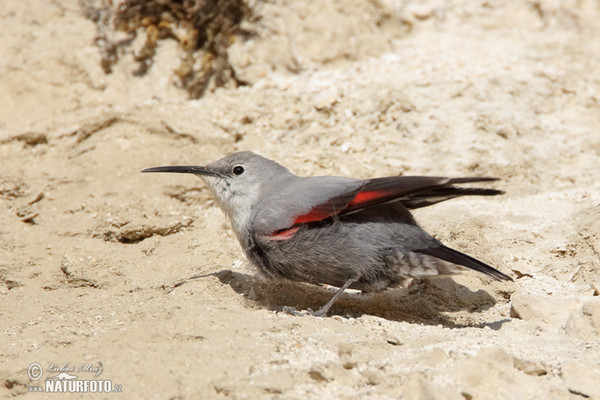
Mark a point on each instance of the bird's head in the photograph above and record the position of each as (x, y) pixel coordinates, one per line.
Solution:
(237, 182)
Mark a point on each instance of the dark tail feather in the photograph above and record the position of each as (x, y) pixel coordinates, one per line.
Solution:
(456, 257)
(439, 194)
(473, 179)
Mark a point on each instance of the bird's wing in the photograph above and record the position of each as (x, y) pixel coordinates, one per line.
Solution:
(377, 191)
(318, 198)
(303, 200)
(416, 191)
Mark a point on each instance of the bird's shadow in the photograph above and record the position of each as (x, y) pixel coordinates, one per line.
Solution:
(421, 301)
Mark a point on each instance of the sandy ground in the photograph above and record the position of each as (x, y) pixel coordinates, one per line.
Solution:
(91, 251)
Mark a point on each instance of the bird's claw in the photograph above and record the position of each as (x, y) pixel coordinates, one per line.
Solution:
(309, 311)
(291, 311)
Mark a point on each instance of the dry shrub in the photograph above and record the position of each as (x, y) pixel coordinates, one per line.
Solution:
(204, 30)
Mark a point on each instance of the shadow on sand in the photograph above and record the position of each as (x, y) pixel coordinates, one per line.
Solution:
(421, 301)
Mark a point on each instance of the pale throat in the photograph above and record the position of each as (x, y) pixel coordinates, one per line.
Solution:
(236, 206)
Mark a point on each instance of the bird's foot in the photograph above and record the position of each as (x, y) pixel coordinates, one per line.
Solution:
(291, 311)
(321, 312)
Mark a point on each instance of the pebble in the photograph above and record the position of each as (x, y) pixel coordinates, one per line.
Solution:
(584, 323)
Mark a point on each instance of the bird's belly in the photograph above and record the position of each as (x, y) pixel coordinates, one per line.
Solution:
(333, 253)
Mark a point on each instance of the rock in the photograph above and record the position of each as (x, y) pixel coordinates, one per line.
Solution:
(347, 362)
(530, 367)
(372, 376)
(329, 372)
(580, 379)
(524, 268)
(326, 99)
(492, 371)
(345, 354)
(417, 387)
(495, 355)
(278, 381)
(394, 341)
(584, 323)
(533, 308)
(596, 246)
(345, 349)
(435, 357)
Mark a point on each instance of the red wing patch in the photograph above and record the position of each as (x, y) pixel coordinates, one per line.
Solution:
(325, 210)
(315, 214)
(339, 204)
(284, 234)
(366, 197)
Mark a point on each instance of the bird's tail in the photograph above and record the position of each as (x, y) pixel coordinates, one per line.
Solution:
(456, 257)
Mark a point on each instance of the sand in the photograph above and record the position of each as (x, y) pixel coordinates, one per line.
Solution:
(93, 253)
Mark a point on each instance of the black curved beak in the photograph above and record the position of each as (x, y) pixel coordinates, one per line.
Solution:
(183, 169)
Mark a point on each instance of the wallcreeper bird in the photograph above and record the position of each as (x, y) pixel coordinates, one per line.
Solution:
(343, 232)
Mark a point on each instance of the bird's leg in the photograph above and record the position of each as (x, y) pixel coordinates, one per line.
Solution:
(321, 312)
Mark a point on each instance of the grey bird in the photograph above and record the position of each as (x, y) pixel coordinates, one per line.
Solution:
(343, 232)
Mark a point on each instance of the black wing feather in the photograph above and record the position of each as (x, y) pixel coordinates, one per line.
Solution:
(417, 191)
(437, 195)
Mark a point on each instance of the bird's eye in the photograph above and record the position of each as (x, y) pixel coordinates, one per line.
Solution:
(238, 170)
